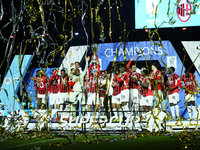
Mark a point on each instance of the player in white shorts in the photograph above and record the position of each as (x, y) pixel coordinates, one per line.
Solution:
(123, 80)
(190, 86)
(173, 92)
(54, 82)
(147, 95)
(133, 87)
(116, 99)
(156, 80)
(40, 88)
(93, 95)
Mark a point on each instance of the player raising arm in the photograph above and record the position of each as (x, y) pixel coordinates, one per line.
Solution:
(173, 93)
(190, 87)
(78, 87)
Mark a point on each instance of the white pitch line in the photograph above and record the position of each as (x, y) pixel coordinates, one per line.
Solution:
(29, 143)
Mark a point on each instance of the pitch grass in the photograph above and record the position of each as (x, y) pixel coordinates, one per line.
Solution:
(139, 143)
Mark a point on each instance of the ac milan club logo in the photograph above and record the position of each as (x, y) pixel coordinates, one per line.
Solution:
(183, 10)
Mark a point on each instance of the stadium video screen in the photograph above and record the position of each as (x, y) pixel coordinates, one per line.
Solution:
(170, 13)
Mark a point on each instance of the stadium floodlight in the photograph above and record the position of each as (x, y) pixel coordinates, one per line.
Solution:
(184, 28)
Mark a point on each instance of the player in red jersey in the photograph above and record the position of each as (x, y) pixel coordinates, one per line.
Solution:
(133, 85)
(190, 86)
(93, 93)
(65, 86)
(116, 97)
(63, 89)
(94, 66)
(54, 82)
(156, 81)
(123, 79)
(173, 92)
(40, 88)
(147, 94)
(102, 92)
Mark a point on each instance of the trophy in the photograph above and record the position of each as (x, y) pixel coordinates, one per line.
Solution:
(94, 59)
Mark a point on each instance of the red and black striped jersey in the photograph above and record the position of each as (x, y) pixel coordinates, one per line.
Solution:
(93, 84)
(146, 91)
(41, 87)
(173, 81)
(157, 82)
(125, 81)
(54, 83)
(117, 88)
(63, 84)
(133, 84)
(189, 83)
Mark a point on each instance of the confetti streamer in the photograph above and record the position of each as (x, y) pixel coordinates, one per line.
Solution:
(110, 23)
(91, 21)
(2, 12)
(99, 21)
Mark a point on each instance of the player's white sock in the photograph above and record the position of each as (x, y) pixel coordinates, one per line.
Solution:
(115, 112)
(136, 109)
(67, 107)
(89, 113)
(172, 111)
(177, 110)
(61, 107)
(189, 111)
(126, 110)
(194, 112)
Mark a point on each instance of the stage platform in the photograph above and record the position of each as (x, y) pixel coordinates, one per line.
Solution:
(20, 120)
(117, 127)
